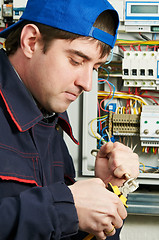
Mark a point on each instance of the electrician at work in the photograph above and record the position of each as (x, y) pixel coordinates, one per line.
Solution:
(49, 57)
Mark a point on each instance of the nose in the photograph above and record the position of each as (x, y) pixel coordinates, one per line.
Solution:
(85, 80)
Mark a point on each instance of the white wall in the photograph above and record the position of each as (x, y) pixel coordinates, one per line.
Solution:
(141, 228)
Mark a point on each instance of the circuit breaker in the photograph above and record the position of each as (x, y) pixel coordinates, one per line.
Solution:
(141, 69)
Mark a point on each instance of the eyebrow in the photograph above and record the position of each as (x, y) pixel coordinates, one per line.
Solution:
(81, 54)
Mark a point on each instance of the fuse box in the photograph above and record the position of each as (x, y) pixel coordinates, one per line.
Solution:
(11, 11)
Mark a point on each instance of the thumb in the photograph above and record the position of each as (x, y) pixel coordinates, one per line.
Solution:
(119, 172)
(106, 148)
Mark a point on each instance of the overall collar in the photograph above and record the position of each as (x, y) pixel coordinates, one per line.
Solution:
(18, 100)
(20, 104)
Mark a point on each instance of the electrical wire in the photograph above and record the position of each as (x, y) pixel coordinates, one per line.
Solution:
(102, 94)
(123, 42)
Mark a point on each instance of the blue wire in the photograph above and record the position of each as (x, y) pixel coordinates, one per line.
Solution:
(102, 78)
(101, 120)
(154, 36)
(103, 130)
(149, 166)
(112, 95)
(111, 57)
(108, 101)
(100, 141)
(103, 83)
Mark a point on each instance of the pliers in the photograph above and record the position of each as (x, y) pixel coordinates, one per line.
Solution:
(129, 186)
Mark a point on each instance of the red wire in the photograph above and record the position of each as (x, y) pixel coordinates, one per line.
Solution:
(101, 80)
(146, 96)
(99, 114)
(101, 104)
(139, 47)
(122, 47)
(132, 47)
(136, 93)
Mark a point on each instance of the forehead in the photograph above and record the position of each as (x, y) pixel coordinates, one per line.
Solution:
(86, 46)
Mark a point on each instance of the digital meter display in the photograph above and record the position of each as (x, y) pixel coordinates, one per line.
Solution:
(145, 9)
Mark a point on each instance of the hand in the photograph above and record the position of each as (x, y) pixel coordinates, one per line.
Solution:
(98, 209)
(113, 161)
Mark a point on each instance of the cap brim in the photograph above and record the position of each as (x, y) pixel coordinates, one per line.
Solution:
(7, 31)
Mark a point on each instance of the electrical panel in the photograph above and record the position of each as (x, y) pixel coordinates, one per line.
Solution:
(138, 15)
(141, 16)
(11, 11)
(124, 105)
(126, 109)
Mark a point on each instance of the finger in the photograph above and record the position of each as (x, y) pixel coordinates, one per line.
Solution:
(100, 235)
(105, 149)
(119, 215)
(122, 213)
(127, 168)
(120, 172)
(110, 232)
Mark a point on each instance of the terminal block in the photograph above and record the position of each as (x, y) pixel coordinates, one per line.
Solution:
(126, 124)
(149, 126)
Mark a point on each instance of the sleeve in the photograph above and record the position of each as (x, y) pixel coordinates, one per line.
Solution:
(38, 213)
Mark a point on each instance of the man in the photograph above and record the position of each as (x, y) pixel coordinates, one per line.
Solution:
(48, 61)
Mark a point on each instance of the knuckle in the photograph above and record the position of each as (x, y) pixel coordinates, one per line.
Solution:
(112, 210)
(117, 144)
(120, 224)
(99, 181)
(136, 156)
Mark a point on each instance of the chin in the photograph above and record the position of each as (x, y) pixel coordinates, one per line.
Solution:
(58, 108)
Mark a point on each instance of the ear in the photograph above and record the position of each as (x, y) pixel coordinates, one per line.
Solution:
(29, 39)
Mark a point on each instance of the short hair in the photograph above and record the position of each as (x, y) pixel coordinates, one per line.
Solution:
(105, 22)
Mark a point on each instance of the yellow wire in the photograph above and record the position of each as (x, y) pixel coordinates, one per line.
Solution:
(133, 42)
(139, 110)
(153, 149)
(89, 237)
(143, 166)
(124, 110)
(91, 126)
(135, 111)
(123, 97)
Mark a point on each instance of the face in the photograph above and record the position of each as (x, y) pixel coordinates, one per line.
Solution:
(59, 76)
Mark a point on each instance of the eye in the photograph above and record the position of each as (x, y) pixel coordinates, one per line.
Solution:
(75, 63)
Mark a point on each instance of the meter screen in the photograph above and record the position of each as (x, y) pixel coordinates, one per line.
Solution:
(145, 9)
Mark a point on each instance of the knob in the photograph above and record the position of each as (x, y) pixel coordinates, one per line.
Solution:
(146, 131)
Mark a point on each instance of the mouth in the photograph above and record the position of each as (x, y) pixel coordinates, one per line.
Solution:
(71, 96)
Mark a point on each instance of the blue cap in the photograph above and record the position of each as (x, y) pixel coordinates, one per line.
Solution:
(75, 16)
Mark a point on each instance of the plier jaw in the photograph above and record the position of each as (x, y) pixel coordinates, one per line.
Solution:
(129, 186)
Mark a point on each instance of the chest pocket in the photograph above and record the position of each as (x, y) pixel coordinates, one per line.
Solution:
(18, 166)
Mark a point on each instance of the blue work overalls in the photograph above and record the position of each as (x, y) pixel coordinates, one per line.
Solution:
(35, 167)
